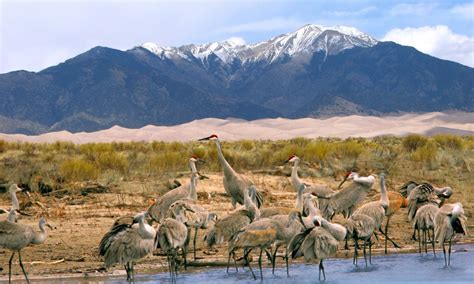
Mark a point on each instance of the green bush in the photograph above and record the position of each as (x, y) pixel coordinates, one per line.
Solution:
(350, 149)
(427, 153)
(449, 141)
(78, 170)
(413, 142)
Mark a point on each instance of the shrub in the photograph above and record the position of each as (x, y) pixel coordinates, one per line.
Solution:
(413, 142)
(349, 149)
(449, 141)
(319, 150)
(78, 170)
(112, 160)
(426, 153)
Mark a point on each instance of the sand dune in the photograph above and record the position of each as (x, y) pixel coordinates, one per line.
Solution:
(273, 129)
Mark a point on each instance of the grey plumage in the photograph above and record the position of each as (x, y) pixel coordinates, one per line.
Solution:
(226, 227)
(172, 236)
(262, 233)
(317, 243)
(377, 210)
(234, 183)
(449, 221)
(424, 193)
(346, 200)
(126, 243)
(159, 210)
(424, 221)
(14, 236)
(361, 227)
(288, 227)
(321, 191)
(192, 215)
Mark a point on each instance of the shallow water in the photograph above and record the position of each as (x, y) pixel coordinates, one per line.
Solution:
(395, 268)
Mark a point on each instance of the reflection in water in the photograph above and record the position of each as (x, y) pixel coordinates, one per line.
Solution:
(395, 268)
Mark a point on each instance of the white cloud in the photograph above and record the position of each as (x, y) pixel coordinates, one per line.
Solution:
(263, 26)
(236, 41)
(355, 13)
(418, 9)
(465, 11)
(438, 41)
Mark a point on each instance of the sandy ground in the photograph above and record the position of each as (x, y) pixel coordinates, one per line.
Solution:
(81, 221)
(273, 129)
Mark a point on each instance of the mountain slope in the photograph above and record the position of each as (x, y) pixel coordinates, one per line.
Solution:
(314, 71)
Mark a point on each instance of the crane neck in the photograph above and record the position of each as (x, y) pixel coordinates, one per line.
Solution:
(224, 164)
(384, 201)
(299, 198)
(250, 206)
(192, 186)
(192, 165)
(40, 237)
(295, 179)
(15, 203)
(146, 231)
(312, 210)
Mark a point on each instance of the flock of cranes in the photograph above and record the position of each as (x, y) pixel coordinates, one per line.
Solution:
(305, 230)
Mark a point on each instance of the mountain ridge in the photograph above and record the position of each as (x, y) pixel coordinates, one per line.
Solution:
(103, 87)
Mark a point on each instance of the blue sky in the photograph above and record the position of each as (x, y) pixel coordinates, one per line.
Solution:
(35, 34)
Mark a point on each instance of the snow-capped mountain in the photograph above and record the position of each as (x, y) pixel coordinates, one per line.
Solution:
(308, 39)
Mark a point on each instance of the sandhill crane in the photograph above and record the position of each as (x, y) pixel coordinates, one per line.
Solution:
(159, 210)
(449, 221)
(309, 210)
(170, 237)
(192, 215)
(377, 210)
(289, 226)
(14, 236)
(226, 227)
(422, 194)
(321, 191)
(442, 192)
(259, 234)
(396, 201)
(12, 190)
(319, 242)
(347, 199)
(361, 227)
(234, 183)
(424, 221)
(126, 243)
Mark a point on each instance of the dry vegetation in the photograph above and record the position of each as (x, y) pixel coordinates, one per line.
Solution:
(82, 188)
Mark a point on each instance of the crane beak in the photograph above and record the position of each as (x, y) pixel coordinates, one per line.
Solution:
(342, 182)
(205, 138)
(202, 176)
(49, 226)
(201, 161)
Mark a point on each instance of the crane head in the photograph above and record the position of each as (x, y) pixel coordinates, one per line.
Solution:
(211, 137)
(195, 158)
(14, 188)
(292, 158)
(347, 176)
(317, 221)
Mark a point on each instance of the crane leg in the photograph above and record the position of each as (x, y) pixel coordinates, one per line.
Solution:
(433, 243)
(425, 237)
(365, 254)
(273, 259)
(386, 236)
(286, 262)
(419, 241)
(356, 246)
(321, 268)
(194, 242)
(10, 268)
(346, 243)
(449, 252)
(26, 276)
(370, 250)
(228, 262)
(250, 267)
(260, 263)
(444, 252)
(413, 237)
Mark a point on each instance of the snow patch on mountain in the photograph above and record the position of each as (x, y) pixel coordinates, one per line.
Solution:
(307, 39)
